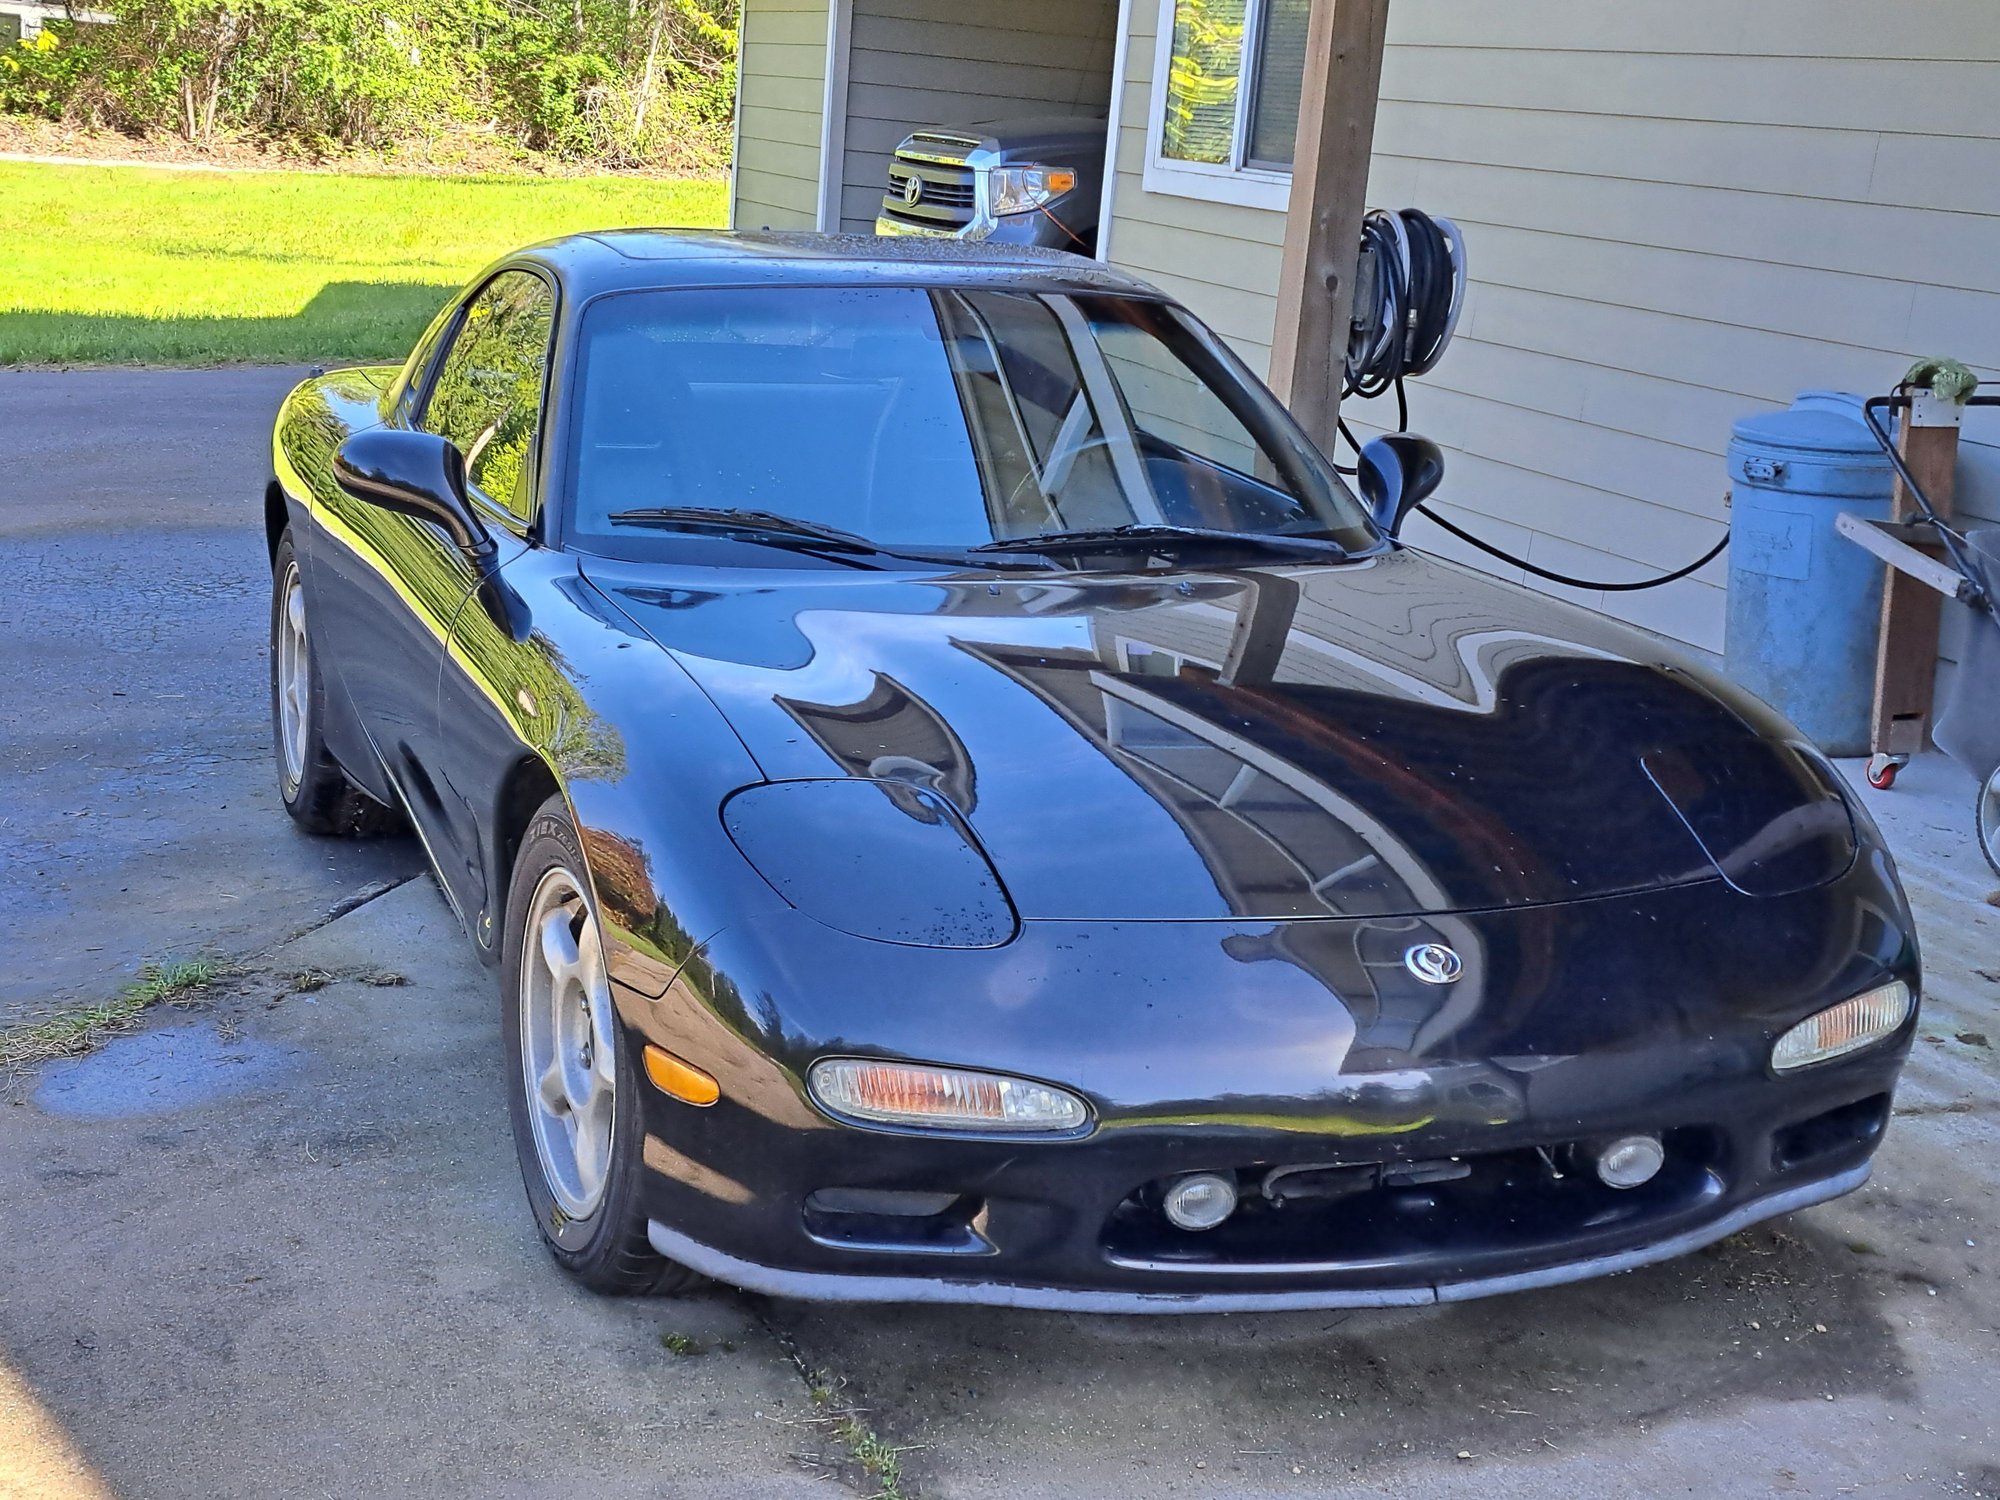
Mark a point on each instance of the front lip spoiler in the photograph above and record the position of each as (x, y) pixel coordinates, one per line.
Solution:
(828, 1286)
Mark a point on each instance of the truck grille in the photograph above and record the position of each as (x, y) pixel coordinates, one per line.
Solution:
(946, 192)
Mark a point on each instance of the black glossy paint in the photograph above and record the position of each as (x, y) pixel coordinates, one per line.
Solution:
(1159, 835)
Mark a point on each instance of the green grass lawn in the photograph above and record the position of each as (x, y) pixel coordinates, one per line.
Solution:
(143, 265)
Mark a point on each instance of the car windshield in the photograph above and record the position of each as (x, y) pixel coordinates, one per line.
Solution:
(931, 418)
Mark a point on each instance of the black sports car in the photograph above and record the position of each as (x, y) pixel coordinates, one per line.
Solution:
(966, 805)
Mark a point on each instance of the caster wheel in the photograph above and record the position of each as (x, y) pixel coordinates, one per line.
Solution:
(1882, 771)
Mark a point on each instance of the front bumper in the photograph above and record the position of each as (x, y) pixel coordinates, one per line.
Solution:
(836, 1286)
(1256, 1048)
(1071, 1225)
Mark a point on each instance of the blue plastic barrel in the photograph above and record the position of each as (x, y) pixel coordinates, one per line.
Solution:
(1805, 604)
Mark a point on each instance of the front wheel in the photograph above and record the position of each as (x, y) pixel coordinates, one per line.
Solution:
(573, 1092)
(1986, 818)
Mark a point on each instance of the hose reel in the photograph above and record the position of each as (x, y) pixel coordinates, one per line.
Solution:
(1408, 292)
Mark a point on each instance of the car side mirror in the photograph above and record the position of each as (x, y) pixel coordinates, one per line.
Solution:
(1398, 473)
(414, 474)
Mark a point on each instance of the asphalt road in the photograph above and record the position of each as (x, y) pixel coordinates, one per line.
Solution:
(276, 1245)
(139, 815)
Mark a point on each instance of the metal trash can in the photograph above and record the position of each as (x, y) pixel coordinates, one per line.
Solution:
(1804, 607)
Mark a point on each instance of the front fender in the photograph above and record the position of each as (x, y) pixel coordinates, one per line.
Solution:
(633, 745)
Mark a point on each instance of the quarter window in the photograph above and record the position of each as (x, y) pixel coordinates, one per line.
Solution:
(488, 396)
(1226, 115)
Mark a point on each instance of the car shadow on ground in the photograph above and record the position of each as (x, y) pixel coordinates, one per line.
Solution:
(1779, 1312)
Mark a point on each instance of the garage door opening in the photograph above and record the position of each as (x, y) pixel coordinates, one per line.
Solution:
(982, 127)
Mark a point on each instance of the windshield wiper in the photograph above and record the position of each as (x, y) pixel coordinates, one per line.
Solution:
(1144, 538)
(764, 525)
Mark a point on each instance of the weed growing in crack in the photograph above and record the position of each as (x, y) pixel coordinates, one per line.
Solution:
(880, 1462)
(877, 1458)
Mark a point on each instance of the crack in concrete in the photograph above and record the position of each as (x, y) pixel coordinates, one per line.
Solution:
(373, 891)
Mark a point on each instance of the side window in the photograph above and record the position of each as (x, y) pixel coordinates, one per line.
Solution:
(488, 396)
(408, 389)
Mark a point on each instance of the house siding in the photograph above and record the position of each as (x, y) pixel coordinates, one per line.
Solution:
(781, 101)
(921, 62)
(1662, 241)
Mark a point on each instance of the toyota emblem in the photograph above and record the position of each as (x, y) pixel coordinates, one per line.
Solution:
(1433, 963)
(913, 189)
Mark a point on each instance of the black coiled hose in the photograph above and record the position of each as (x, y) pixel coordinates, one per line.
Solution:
(1412, 291)
(1416, 266)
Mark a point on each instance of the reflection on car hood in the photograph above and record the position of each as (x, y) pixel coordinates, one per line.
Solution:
(1391, 736)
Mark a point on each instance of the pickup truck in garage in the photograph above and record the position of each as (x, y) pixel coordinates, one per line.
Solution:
(1034, 180)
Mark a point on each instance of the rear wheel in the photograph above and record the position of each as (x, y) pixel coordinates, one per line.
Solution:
(315, 790)
(573, 1089)
(1986, 818)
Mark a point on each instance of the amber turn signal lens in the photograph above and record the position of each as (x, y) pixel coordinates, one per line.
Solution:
(684, 1081)
(1060, 183)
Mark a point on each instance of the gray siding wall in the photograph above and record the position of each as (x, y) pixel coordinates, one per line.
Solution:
(1663, 239)
(931, 62)
(781, 100)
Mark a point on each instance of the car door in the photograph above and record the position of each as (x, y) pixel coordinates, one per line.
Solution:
(390, 586)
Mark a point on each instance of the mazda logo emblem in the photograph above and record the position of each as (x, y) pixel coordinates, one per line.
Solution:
(913, 189)
(1433, 963)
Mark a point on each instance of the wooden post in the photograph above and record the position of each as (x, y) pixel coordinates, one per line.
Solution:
(1343, 77)
(1906, 651)
(1264, 615)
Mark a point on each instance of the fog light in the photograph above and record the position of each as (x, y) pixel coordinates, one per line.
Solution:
(1200, 1201)
(1630, 1161)
(1844, 1028)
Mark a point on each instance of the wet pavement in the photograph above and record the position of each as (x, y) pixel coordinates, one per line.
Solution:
(275, 1243)
(139, 815)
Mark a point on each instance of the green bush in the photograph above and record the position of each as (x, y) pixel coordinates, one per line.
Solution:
(38, 75)
(627, 82)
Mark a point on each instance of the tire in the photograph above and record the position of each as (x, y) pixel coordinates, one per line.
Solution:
(1986, 818)
(315, 791)
(581, 1161)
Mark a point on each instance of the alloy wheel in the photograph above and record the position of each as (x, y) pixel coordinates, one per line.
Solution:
(568, 1040)
(294, 668)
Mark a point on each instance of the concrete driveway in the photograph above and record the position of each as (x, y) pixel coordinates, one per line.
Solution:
(136, 814)
(275, 1244)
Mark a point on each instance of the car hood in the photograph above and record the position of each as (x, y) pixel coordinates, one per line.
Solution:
(1034, 137)
(1395, 735)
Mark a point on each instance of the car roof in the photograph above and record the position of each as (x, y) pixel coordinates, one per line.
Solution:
(609, 260)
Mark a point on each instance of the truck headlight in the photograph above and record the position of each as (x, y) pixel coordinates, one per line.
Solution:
(956, 1099)
(1843, 1028)
(1017, 190)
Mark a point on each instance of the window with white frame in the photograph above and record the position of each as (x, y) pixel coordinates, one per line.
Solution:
(1226, 99)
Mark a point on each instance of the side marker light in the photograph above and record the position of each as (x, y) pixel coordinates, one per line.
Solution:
(680, 1080)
